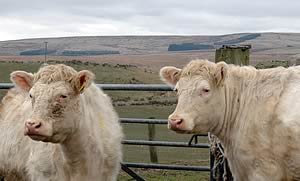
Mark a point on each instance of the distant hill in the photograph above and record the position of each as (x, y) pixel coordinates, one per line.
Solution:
(139, 45)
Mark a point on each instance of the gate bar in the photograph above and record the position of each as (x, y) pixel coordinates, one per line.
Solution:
(118, 87)
(143, 121)
(167, 167)
(131, 173)
(165, 143)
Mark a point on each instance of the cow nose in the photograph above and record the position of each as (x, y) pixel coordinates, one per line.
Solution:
(176, 121)
(33, 125)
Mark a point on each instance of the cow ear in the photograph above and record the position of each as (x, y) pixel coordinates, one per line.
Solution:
(170, 75)
(82, 80)
(22, 80)
(220, 73)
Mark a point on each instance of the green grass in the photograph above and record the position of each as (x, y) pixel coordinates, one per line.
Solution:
(6, 68)
(166, 175)
(130, 74)
(105, 73)
(145, 111)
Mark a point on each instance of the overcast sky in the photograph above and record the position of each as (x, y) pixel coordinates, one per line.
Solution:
(55, 18)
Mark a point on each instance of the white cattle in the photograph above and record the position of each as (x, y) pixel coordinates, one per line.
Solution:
(57, 125)
(255, 114)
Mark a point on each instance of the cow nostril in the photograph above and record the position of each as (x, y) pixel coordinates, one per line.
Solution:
(177, 121)
(34, 124)
(38, 125)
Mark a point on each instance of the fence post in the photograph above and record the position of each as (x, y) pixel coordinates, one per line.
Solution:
(152, 149)
(297, 62)
(233, 54)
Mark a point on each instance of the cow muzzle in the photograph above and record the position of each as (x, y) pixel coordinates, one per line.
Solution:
(33, 130)
(176, 123)
(32, 127)
(37, 129)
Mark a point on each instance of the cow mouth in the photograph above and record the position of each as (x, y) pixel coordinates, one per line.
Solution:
(37, 137)
(180, 131)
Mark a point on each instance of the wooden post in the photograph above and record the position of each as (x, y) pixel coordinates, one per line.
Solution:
(298, 61)
(152, 149)
(233, 54)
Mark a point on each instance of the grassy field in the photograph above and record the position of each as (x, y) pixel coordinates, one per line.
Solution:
(126, 105)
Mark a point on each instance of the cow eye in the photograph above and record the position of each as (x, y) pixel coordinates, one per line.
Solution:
(176, 90)
(30, 96)
(63, 96)
(206, 90)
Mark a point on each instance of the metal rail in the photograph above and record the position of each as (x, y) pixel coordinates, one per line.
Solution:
(130, 172)
(165, 143)
(135, 87)
(6, 85)
(143, 121)
(117, 87)
(168, 167)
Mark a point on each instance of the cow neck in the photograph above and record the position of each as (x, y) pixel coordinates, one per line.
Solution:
(235, 101)
(75, 150)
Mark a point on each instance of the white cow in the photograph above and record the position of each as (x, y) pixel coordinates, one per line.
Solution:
(71, 130)
(255, 113)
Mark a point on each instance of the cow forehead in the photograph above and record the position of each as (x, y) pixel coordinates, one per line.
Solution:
(52, 88)
(192, 81)
(198, 67)
(191, 84)
(54, 73)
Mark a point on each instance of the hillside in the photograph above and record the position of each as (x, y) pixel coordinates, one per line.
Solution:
(149, 44)
(150, 51)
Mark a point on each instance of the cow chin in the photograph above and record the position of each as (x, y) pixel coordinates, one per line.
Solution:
(179, 130)
(37, 137)
(52, 139)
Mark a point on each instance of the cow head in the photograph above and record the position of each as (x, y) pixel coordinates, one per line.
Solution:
(201, 101)
(54, 93)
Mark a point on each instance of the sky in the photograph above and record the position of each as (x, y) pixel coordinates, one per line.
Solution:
(21, 19)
